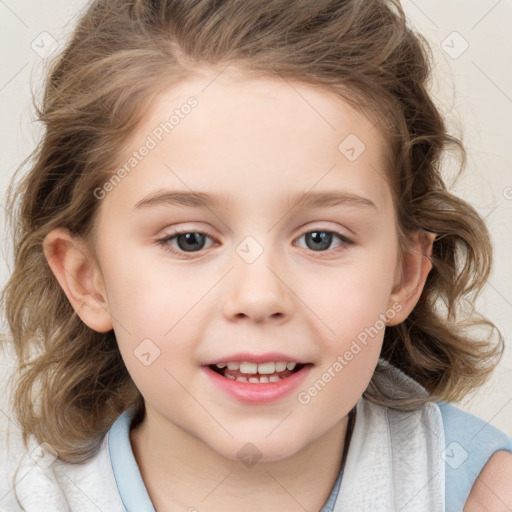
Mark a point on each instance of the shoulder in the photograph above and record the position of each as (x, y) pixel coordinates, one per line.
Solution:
(478, 461)
(45, 482)
(492, 490)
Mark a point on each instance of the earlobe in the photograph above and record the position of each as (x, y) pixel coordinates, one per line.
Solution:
(415, 268)
(79, 277)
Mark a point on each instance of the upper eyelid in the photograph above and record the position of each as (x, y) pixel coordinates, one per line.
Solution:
(180, 231)
(346, 239)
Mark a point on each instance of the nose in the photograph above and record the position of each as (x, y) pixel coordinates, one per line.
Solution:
(258, 291)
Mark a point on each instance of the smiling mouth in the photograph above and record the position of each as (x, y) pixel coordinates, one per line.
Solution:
(245, 375)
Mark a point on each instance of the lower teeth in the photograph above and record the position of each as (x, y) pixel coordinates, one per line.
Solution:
(256, 380)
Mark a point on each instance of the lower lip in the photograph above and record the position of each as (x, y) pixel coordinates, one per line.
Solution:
(258, 393)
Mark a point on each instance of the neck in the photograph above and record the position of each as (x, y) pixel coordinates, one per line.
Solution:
(182, 473)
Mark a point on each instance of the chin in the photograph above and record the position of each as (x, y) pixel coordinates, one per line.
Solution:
(257, 449)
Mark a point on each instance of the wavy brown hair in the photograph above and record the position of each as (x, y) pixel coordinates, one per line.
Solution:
(121, 55)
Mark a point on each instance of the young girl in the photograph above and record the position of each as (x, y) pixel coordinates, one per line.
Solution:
(240, 281)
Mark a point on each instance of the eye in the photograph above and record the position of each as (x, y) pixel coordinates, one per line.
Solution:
(186, 241)
(320, 240)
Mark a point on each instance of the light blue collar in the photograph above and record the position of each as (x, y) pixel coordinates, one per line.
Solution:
(129, 481)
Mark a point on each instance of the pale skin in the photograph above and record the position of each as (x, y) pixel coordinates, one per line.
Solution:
(256, 142)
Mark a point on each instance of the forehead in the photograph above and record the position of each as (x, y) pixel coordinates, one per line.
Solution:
(238, 133)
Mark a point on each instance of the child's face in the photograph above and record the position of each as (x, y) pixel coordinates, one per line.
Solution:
(258, 285)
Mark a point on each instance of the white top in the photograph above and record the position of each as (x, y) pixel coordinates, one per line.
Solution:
(377, 474)
(396, 461)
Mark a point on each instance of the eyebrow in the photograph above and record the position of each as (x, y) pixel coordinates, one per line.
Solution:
(299, 200)
(328, 199)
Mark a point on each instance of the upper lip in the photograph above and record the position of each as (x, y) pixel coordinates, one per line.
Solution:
(248, 357)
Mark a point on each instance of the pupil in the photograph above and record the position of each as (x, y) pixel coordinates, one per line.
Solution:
(320, 237)
(190, 241)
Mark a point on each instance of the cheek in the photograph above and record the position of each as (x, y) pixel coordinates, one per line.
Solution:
(352, 298)
(350, 355)
(146, 298)
(154, 311)
(353, 314)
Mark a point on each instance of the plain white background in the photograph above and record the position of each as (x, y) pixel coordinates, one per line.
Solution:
(472, 44)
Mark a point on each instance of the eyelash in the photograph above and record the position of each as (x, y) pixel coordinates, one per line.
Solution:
(164, 242)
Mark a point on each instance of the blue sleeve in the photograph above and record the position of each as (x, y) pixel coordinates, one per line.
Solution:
(469, 444)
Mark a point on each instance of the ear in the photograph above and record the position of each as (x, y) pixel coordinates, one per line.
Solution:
(79, 277)
(412, 275)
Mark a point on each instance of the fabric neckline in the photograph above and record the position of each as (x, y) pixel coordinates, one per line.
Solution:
(331, 501)
(130, 485)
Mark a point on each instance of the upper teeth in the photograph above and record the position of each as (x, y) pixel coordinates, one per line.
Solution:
(263, 368)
